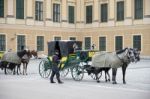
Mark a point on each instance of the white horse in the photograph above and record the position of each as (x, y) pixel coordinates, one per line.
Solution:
(114, 60)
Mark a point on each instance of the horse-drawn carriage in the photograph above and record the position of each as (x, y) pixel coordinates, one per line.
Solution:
(76, 60)
(73, 59)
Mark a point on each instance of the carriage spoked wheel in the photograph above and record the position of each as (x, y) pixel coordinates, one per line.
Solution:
(44, 69)
(77, 73)
(94, 77)
(64, 72)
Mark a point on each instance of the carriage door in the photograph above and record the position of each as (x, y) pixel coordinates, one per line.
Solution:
(20, 42)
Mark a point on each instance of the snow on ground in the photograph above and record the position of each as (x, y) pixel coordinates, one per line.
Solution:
(32, 86)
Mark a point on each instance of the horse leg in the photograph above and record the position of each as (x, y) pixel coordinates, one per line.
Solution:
(18, 69)
(26, 68)
(5, 67)
(124, 72)
(105, 75)
(97, 71)
(23, 68)
(5, 71)
(97, 79)
(108, 76)
(114, 72)
(14, 70)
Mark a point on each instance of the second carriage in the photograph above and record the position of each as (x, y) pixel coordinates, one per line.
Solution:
(72, 58)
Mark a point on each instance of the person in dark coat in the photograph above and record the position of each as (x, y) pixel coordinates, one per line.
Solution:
(55, 68)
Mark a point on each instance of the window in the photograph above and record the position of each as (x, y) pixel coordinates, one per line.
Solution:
(2, 42)
(138, 14)
(20, 9)
(73, 38)
(120, 11)
(1, 8)
(87, 43)
(104, 12)
(40, 43)
(71, 14)
(39, 10)
(88, 14)
(20, 42)
(137, 42)
(56, 12)
(57, 38)
(118, 43)
(102, 43)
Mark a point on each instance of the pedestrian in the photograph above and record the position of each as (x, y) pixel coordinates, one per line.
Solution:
(55, 68)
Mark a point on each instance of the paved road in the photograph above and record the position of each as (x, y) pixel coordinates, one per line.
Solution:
(33, 86)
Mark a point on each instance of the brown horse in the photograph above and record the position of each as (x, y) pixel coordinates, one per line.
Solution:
(12, 59)
(25, 60)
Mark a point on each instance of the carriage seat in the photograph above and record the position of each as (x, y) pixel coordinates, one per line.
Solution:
(63, 61)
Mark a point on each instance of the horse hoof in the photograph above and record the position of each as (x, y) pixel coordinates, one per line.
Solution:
(124, 82)
(114, 82)
(98, 81)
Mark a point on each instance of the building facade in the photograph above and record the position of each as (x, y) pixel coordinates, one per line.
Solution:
(109, 24)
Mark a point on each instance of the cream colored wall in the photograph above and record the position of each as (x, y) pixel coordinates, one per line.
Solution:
(48, 29)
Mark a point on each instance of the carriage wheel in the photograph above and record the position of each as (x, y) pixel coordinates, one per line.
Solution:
(94, 77)
(44, 69)
(64, 72)
(77, 73)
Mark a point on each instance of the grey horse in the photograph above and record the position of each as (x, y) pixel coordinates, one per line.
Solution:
(114, 60)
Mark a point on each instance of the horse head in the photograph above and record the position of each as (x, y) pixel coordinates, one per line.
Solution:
(133, 54)
(136, 54)
(34, 53)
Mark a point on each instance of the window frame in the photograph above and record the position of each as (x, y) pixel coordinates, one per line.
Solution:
(85, 45)
(137, 42)
(120, 10)
(39, 10)
(20, 9)
(138, 10)
(73, 38)
(102, 46)
(56, 12)
(116, 43)
(89, 15)
(21, 43)
(104, 15)
(71, 13)
(3, 42)
(2, 8)
(40, 45)
(57, 38)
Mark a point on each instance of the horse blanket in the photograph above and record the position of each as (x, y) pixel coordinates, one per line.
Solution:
(106, 60)
(11, 57)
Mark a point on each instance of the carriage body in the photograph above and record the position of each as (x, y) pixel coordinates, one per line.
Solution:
(68, 58)
(72, 59)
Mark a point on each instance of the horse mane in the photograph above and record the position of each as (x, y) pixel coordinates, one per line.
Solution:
(121, 51)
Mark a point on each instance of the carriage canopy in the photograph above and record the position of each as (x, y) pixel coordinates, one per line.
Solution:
(64, 47)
